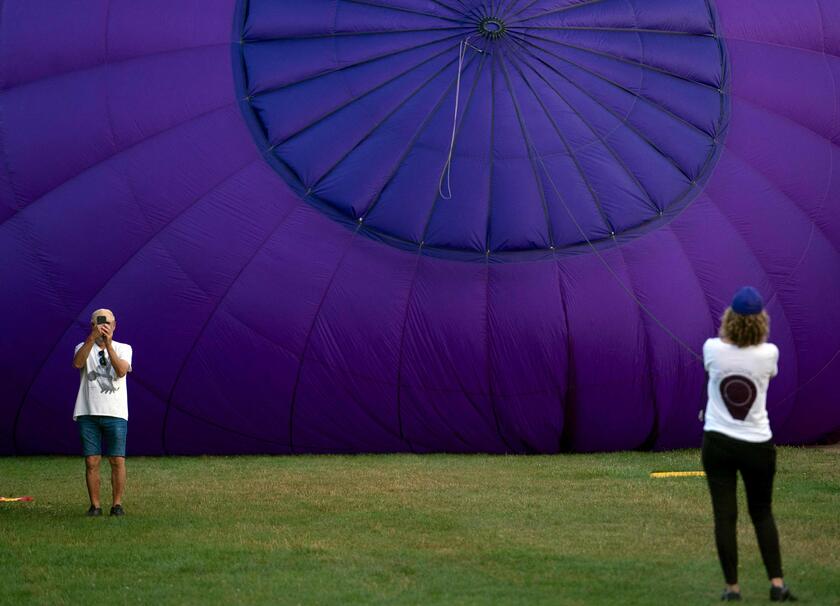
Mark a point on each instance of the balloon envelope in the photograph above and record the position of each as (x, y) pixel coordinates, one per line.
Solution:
(311, 250)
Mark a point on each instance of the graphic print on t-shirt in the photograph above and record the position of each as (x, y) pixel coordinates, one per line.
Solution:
(105, 380)
(738, 394)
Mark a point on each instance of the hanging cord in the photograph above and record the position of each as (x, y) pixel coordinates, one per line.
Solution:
(447, 168)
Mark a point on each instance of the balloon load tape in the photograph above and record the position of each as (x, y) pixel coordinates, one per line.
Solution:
(678, 474)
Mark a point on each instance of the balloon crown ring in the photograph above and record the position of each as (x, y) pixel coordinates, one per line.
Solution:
(492, 28)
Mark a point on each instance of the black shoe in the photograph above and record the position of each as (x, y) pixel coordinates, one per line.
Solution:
(730, 596)
(94, 511)
(117, 510)
(781, 594)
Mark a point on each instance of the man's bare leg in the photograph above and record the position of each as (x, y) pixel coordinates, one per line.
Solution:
(117, 478)
(92, 478)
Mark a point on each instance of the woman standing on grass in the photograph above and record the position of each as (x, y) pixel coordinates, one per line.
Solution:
(737, 437)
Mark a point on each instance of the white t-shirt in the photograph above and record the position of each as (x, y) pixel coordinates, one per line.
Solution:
(737, 391)
(101, 393)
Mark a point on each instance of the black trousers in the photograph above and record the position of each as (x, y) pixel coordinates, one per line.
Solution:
(723, 457)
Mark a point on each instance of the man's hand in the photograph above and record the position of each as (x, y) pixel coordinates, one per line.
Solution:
(95, 333)
(120, 366)
(105, 333)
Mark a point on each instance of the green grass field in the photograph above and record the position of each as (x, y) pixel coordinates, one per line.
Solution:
(401, 529)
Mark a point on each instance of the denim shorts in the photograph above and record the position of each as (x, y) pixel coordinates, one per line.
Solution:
(93, 428)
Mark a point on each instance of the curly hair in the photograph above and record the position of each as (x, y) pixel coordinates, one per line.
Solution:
(744, 331)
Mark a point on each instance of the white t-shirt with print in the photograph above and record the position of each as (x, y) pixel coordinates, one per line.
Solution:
(737, 390)
(101, 393)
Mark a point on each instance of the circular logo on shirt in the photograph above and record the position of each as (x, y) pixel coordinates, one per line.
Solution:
(738, 394)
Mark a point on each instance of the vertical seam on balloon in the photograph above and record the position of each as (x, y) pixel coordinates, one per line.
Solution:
(467, 107)
(319, 119)
(489, 361)
(700, 286)
(531, 150)
(491, 152)
(565, 396)
(431, 400)
(653, 435)
(309, 335)
(414, 275)
(836, 104)
(334, 46)
(377, 125)
(98, 292)
(712, 319)
(120, 153)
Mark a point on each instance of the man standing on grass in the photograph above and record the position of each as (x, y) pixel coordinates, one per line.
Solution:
(102, 406)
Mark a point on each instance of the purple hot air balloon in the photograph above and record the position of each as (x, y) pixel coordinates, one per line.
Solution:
(415, 225)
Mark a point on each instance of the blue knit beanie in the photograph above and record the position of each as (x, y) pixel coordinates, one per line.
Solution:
(747, 301)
